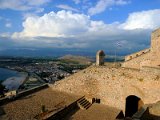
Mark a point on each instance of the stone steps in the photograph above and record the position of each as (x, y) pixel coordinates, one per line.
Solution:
(83, 103)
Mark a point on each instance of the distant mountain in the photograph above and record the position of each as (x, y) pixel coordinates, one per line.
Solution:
(57, 52)
(111, 58)
(77, 59)
(45, 52)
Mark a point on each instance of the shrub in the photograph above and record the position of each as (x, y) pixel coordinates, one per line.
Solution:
(140, 79)
(157, 77)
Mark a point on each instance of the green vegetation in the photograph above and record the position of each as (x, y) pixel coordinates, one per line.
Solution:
(127, 75)
(141, 79)
(157, 77)
(123, 74)
(75, 59)
(69, 61)
(68, 67)
(43, 108)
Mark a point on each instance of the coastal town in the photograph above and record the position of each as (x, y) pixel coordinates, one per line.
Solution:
(38, 71)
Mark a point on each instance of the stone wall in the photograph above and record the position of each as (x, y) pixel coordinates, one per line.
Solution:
(155, 44)
(151, 69)
(136, 60)
(148, 57)
(137, 54)
(23, 94)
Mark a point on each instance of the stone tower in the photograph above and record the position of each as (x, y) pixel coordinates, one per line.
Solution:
(100, 58)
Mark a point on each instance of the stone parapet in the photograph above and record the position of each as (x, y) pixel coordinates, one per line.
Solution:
(137, 54)
(147, 57)
(155, 34)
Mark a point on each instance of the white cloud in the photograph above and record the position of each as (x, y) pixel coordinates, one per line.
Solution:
(143, 20)
(4, 19)
(39, 10)
(21, 4)
(66, 7)
(28, 14)
(102, 5)
(76, 1)
(8, 25)
(54, 24)
(37, 2)
(7, 35)
(73, 30)
(65, 24)
(122, 2)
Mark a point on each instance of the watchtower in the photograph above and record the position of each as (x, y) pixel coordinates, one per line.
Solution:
(100, 58)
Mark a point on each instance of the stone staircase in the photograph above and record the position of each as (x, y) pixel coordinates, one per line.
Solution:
(83, 103)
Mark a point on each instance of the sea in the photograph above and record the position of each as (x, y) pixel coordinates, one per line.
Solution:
(11, 79)
(6, 73)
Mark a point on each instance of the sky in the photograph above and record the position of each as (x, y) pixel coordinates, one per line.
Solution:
(43, 27)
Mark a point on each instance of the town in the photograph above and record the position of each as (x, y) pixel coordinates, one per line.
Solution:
(39, 71)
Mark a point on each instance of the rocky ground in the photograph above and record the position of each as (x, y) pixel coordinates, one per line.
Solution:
(27, 108)
(112, 85)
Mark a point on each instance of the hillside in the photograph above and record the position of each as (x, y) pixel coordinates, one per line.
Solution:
(112, 85)
(76, 59)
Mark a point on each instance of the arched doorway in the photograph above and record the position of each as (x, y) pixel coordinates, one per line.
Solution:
(133, 103)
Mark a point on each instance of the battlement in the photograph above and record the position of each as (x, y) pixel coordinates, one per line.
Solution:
(147, 57)
(137, 54)
(155, 34)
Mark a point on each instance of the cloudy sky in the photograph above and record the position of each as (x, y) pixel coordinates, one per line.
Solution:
(77, 25)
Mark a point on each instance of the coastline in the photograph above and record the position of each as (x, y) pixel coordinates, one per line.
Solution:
(12, 79)
(5, 73)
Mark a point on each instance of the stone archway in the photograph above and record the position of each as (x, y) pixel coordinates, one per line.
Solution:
(133, 104)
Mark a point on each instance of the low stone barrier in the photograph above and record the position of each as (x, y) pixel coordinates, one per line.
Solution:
(151, 69)
(141, 114)
(32, 90)
(8, 99)
(66, 112)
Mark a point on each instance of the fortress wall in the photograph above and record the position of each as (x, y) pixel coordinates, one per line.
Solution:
(23, 94)
(137, 61)
(155, 44)
(148, 57)
(155, 70)
(137, 54)
(155, 33)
